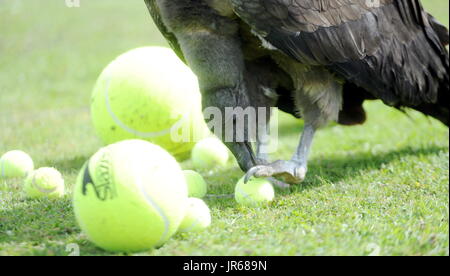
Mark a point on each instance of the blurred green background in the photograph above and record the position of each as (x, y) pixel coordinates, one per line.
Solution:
(384, 183)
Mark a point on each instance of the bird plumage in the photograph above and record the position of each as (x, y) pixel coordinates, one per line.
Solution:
(318, 59)
(391, 49)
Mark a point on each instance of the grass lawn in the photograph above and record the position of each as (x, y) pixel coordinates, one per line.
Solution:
(381, 188)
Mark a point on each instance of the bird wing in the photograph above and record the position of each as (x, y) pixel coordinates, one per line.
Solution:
(388, 47)
(170, 37)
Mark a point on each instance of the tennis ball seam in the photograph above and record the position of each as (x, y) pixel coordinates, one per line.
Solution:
(134, 131)
(158, 209)
(40, 189)
(192, 226)
(147, 213)
(242, 193)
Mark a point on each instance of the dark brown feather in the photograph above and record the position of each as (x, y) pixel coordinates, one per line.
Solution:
(390, 50)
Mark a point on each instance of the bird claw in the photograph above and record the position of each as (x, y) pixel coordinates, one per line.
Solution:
(286, 171)
(258, 172)
(278, 183)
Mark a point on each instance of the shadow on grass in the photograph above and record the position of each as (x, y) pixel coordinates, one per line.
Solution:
(341, 168)
(41, 220)
(332, 170)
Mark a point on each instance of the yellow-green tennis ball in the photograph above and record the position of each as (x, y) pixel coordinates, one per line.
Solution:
(197, 218)
(256, 192)
(131, 196)
(15, 163)
(148, 93)
(209, 153)
(44, 183)
(197, 186)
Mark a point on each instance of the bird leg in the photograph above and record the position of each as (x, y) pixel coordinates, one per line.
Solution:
(319, 98)
(263, 157)
(303, 150)
(292, 171)
(262, 142)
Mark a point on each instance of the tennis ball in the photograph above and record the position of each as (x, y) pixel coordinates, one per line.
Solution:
(256, 192)
(197, 218)
(15, 163)
(148, 93)
(44, 182)
(196, 184)
(131, 196)
(209, 153)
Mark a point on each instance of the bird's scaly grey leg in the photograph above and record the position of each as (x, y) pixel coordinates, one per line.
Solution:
(318, 96)
(261, 145)
(262, 156)
(293, 171)
(304, 148)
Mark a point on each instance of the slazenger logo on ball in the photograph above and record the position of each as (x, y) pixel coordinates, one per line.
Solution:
(103, 186)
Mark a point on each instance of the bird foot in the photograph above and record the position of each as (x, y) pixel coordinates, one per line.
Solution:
(262, 161)
(286, 171)
(278, 183)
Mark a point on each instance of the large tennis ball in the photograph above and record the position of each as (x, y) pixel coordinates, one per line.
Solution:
(131, 196)
(148, 93)
(256, 192)
(15, 163)
(209, 153)
(197, 218)
(44, 182)
(197, 186)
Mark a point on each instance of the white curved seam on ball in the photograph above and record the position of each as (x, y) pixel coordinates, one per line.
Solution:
(191, 226)
(244, 194)
(161, 213)
(42, 190)
(133, 131)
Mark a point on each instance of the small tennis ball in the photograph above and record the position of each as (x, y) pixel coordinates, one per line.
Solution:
(15, 163)
(149, 93)
(44, 182)
(209, 153)
(196, 184)
(197, 218)
(131, 196)
(257, 192)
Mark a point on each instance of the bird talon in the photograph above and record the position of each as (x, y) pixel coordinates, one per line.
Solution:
(278, 183)
(259, 172)
(286, 171)
(251, 173)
